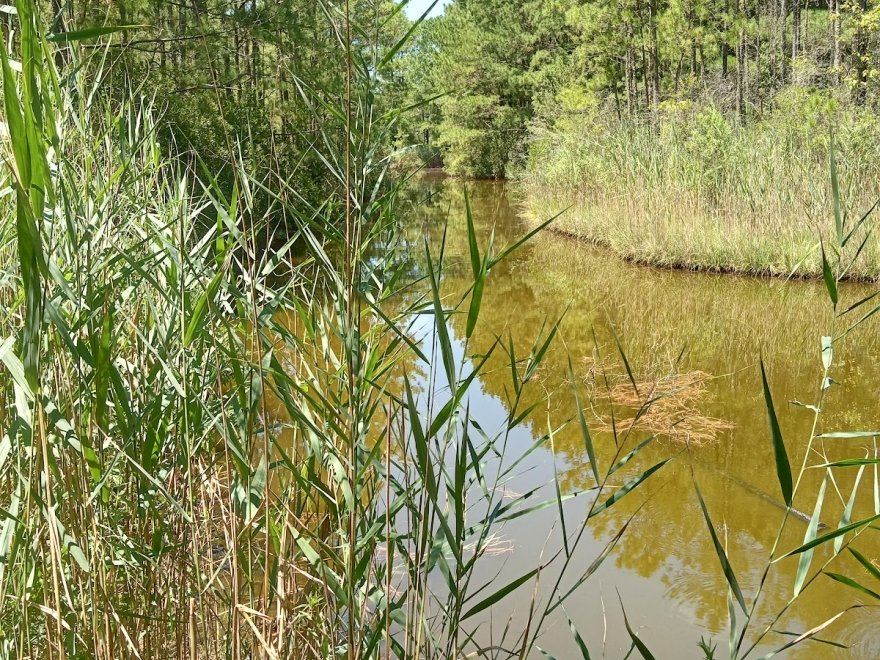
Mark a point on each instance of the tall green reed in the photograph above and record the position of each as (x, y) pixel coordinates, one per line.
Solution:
(750, 630)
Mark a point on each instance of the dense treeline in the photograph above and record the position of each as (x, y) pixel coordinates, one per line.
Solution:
(511, 66)
(237, 80)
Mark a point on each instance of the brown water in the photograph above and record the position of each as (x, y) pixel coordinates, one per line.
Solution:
(665, 568)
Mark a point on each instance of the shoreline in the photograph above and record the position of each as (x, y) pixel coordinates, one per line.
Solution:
(525, 201)
(812, 275)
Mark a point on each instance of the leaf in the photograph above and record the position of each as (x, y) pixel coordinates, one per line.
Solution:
(8, 538)
(537, 353)
(835, 193)
(440, 323)
(818, 640)
(625, 361)
(585, 431)
(859, 303)
(582, 647)
(810, 633)
(626, 459)
(783, 467)
(14, 365)
(639, 644)
(850, 434)
(501, 593)
(852, 583)
(846, 516)
(594, 566)
(201, 309)
(812, 528)
(864, 318)
(870, 567)
(90, 33)
(849, 462)
(830, 280)
(830, 535)
(478, 268)
(722, 555)
(731, 623)
(403, 40)
(523, 240)
(861, 221)
(627, 487)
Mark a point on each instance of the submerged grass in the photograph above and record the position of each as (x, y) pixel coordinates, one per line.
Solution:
(675, 412)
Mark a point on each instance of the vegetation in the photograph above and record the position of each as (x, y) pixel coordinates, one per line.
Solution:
(227, 429)
(703, 194)
(235, 80)
(685, 133)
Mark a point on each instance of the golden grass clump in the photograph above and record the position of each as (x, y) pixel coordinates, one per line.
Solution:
(670, 406)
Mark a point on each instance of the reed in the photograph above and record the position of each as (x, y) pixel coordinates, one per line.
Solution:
(223, 435)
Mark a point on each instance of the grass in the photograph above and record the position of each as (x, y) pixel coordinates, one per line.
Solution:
(697, 192)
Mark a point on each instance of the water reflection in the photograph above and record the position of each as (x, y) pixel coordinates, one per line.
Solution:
(668, 322)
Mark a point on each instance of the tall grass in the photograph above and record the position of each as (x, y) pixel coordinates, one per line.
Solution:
(692, 190)
(819, 555)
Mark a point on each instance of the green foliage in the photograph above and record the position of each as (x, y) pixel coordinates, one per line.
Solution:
(511, 71)
(478, 55)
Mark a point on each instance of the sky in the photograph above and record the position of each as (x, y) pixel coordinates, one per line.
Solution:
(416, 8)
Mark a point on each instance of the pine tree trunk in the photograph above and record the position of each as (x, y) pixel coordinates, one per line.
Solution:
(795, 28)
(678, 70)
(860, 54)
(630, 73)
(160, 22)
(59, 24)
(834, 10)
(725, 47)
(783, 51)
(741, 79)
(655, 56)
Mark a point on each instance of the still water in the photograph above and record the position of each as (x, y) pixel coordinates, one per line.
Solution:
(695, 338)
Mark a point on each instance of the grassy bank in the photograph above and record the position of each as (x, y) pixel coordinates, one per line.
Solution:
(695, 191)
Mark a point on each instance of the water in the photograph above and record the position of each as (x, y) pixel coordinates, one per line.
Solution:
(698, 338)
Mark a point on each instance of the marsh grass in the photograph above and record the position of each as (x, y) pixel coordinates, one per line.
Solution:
(698, 193)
